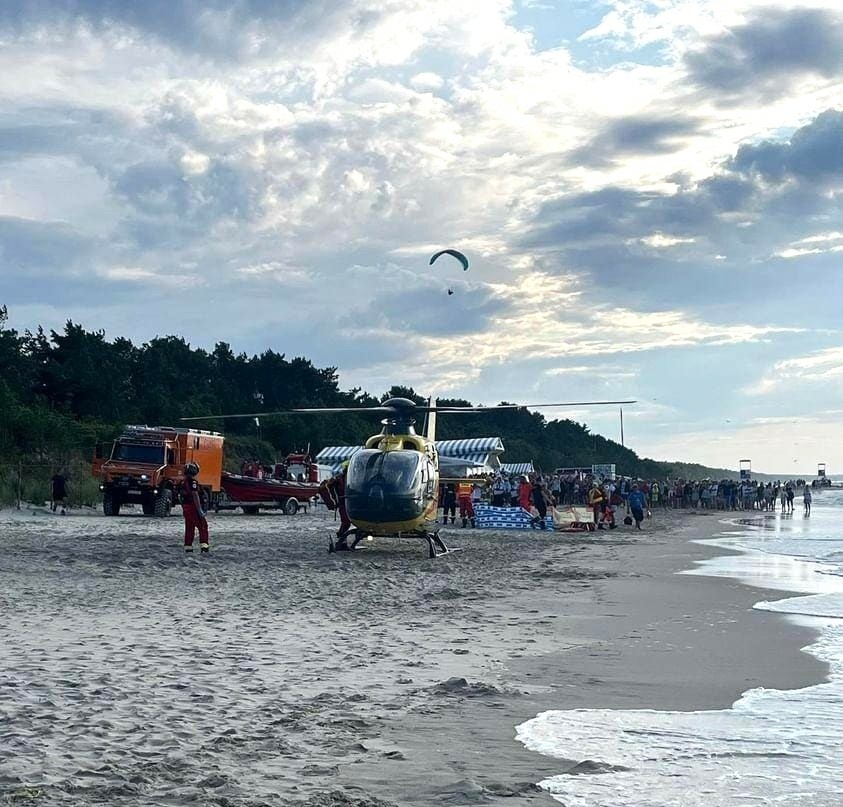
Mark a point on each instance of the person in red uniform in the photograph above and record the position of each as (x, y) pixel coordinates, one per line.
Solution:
(464, 490)
(193, 509)
(524, 491)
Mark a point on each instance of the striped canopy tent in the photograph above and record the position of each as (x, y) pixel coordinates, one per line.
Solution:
(334, 456)
(473, 457)
(518, 468)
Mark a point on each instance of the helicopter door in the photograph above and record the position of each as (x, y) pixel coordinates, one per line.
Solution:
(427, 481)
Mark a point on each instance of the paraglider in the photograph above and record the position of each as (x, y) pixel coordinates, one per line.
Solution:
(454, 253)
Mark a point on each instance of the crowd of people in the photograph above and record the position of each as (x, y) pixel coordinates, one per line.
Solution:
(537, 493)
(637, 498)
(728, 494)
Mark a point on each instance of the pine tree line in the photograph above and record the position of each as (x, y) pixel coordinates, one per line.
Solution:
(62, 392)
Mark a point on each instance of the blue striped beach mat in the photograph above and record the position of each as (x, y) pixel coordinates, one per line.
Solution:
(505, 518)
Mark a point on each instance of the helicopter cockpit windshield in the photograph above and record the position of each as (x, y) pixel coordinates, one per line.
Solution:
(395, 472)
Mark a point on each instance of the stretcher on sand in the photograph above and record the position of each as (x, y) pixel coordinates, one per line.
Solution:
(573, 519)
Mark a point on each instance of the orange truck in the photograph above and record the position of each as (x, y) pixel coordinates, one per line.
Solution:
(145, 465)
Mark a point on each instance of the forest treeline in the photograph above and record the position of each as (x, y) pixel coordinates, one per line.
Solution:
(62, 392)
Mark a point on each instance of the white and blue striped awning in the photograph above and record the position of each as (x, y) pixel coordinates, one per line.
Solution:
(334, 456)
(518, 468)
(481, 454)
(474, 445)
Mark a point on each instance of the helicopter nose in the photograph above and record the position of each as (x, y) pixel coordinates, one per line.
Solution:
(375, 496)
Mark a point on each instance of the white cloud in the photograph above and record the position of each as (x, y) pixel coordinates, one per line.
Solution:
(563, 371)
(427, 81)
(281, 272)
(822, 238)
(790, 445)
(800, 253)
(138, 275)
(822, 366)
(298, 168)
(194, 164)
(660, 240)
(550, 314)
(819, 244)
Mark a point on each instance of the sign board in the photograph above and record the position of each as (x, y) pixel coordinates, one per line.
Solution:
(821, 469)
(603, 471)
(746, 470)
(573, 471)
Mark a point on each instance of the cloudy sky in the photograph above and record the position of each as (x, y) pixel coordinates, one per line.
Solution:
(649, 191)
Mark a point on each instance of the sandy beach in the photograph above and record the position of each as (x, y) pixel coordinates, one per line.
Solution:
(272, 673)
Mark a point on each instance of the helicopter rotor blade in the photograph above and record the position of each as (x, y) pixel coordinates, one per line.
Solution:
(381, 410)
(389, 410)
(456, 410)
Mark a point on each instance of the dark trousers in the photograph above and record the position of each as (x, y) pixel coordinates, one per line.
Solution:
(345, 521)
(539, 520)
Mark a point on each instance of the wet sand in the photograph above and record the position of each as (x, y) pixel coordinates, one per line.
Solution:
(272, 673)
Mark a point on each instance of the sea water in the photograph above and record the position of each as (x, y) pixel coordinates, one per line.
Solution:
(772, 747)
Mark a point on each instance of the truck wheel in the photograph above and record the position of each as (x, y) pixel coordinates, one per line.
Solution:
(110, 504)
(163, 504)
(250, 510)
(148, 507)
(291, 506)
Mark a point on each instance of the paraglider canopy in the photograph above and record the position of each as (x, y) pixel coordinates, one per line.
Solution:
(453, 252)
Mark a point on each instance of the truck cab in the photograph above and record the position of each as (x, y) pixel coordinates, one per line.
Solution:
(145, 466)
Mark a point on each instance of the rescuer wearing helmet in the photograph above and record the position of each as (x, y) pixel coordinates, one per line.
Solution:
(193, 509)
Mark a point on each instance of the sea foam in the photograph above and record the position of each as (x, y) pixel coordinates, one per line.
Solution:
(781, 749)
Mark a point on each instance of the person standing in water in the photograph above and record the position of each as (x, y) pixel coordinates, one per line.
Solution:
(806, 500)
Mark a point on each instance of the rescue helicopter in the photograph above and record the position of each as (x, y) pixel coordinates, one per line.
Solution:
(392, 483)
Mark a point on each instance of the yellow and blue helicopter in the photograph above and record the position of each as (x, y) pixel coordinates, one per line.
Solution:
(392, 484)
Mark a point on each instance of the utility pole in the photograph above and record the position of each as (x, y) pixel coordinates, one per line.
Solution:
(622, 426)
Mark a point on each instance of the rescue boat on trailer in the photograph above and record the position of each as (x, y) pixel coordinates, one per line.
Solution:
(252, 494)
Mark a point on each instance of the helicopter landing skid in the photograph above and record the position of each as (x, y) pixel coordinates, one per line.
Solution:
(437, 546)
(341, 543)
(348, 542)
